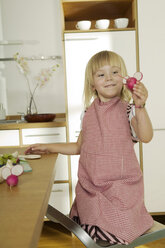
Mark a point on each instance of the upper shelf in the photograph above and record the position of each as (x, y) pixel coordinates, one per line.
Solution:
(74, 11)
(32, 58)
(18, 42)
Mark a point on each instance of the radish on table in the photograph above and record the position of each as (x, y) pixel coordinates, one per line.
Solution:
(12, 180)
(9, 169)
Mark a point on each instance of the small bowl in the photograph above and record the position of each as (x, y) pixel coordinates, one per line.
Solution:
(40, 117)
(121, 22)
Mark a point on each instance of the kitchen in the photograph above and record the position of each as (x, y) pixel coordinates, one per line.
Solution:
(39, 25)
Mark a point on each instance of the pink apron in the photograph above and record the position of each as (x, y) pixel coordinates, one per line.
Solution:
(110, 191)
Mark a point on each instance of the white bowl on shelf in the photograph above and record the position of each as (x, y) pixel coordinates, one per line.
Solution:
(102, 24)
(121, 22)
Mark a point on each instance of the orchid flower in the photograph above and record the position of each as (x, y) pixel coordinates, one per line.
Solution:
(42, 78)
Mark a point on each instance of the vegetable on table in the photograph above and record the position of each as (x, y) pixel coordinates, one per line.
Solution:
(10, 169)
(12, 180)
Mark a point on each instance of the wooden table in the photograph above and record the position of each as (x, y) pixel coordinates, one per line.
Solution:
(22, 208)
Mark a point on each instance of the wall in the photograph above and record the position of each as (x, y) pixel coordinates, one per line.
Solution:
(152, 52)
(38, 24)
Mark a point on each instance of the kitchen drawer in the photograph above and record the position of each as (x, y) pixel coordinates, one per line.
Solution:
(9, 138)
(43, 135)
(59, 197)
(49, 135)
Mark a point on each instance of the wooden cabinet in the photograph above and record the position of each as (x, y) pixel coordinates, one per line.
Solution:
(59, 197)
(152, 51)
(74, 11)
(24, 134)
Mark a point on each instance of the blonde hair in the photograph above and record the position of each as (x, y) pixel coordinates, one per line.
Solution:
(98, 60)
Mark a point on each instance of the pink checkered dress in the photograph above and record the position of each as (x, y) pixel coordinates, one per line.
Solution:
(110, 191)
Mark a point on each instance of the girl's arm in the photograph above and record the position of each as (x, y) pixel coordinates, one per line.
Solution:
(141, 122)
(63, 148)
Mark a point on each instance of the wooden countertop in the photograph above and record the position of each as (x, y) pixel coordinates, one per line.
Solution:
(22, 209)
(60, 121)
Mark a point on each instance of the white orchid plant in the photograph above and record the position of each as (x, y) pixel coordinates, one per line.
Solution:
(41, 79)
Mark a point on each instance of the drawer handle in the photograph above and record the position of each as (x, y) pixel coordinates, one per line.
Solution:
(39, 135)
(57, 190)
(80, 38)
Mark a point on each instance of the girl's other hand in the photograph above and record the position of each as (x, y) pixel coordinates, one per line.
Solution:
(140, 94)
(37, 149)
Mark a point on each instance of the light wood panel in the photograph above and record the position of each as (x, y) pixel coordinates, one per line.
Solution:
(95, 9)
(74, 11)
(58, 122)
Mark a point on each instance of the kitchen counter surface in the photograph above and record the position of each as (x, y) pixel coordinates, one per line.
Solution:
(60, 121)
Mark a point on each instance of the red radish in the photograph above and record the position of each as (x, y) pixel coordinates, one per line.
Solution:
(12, 180)
(17, 170)
(130, 82)
(6, 171)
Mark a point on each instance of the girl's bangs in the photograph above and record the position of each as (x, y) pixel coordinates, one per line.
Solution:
(105, 58)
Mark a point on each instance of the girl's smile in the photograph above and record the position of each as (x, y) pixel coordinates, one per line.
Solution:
(110, 85)
(107, 82)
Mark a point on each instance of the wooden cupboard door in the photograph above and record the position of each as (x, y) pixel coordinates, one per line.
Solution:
(154, 173)
(151, 20)
(79, 48)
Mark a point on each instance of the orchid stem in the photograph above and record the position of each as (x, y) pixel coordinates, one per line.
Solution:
(31, 95)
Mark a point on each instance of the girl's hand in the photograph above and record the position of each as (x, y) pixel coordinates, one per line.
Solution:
(37, 149)
(140, 94)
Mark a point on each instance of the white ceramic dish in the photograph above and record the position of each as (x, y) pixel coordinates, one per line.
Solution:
(30, 156)
(121, 22)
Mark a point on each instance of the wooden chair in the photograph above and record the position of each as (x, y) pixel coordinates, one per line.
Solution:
(155, 233)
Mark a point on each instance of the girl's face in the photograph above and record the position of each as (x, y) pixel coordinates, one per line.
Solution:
(107, 82)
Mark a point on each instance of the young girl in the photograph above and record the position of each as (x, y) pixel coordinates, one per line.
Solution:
(109, 201)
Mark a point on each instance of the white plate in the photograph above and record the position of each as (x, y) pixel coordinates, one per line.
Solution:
(30, 156)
